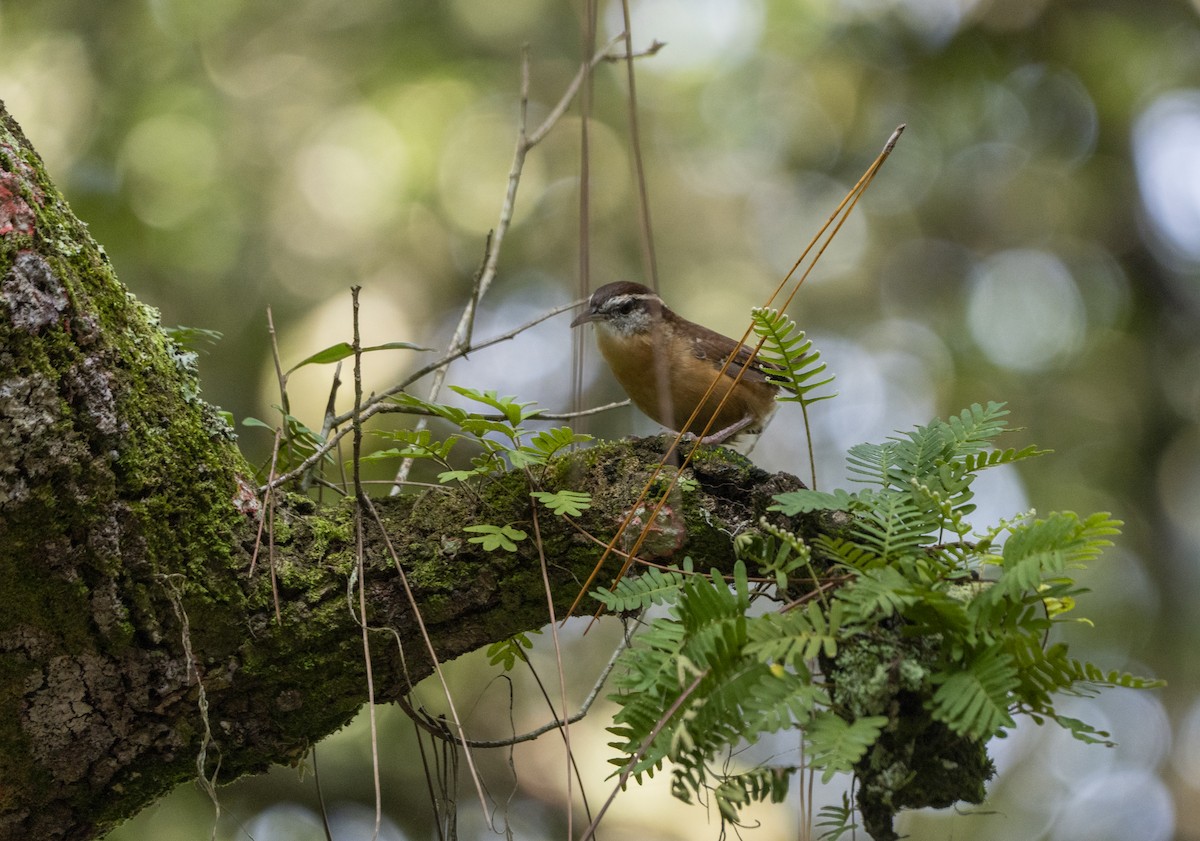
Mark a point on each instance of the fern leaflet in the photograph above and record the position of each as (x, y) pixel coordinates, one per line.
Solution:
(836, 745)
(973, 702)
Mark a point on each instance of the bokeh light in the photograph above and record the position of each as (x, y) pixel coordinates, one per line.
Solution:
(1025, 311)
(1165, 137)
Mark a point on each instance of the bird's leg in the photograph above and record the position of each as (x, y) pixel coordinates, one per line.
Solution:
(723, 435)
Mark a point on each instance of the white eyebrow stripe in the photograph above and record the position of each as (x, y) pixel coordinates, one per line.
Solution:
(622, 299)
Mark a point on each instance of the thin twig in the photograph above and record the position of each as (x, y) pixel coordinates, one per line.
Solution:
(271, 564)
(262, 521)
(653, 49)
(433, 799)
(320, 795)
(585, 155)
(284, 403)
(327, 424)
(360, 565)
(539, 134)
(649, 259)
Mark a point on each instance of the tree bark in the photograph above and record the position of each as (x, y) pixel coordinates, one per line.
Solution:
(146, 636)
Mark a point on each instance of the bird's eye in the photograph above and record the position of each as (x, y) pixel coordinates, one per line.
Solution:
(625, 307)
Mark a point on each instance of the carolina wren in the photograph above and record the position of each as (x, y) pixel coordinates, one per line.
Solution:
(666, 363)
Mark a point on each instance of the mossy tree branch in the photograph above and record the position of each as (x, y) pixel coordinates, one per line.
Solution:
(127, 531)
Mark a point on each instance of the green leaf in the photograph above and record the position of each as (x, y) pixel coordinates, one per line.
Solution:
(550, 441)
(513, 411)
(479, 426)
(1043, 549)
(1084, 732)
(994, 458)
(507, 652)
(876, 464)
(893, 525)
(448, 476)
(495, 537)
(522, 457)
(192, 337)
(416, 443)
(876, 594)
(569, 503)
(451, 413)
(778, 552)
(297, 438)
(342, 350)
(974, 428)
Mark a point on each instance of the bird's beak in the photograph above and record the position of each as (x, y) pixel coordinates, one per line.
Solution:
(584, 318)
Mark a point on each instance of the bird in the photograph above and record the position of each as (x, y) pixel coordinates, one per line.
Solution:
(666, 363)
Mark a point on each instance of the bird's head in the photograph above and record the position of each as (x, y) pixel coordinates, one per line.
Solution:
(624, 308)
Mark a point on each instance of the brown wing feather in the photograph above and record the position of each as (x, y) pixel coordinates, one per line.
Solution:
(714, 348)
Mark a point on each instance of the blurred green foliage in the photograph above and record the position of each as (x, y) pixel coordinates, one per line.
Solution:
(1034, 238)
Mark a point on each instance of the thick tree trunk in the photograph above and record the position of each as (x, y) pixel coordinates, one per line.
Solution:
(136, 644)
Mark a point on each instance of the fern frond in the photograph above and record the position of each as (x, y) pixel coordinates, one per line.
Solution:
(790, 359)
(935, 611)
(849, 554)
(1083, 731)
(781, 700)
(1095, 676)
(974, 702)
(893, 526)
(974, 462)
(876, 464)
(876, 594)
(804, 501)
(795, 637)
(973, 429)
(925, 450)
(762, 784)
(1045, 548)
(653, 586)
(836, 745)
(836, 821)
(707, 602)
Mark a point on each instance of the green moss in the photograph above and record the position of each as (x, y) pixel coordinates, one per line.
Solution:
(327, 532)
(917, 761)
